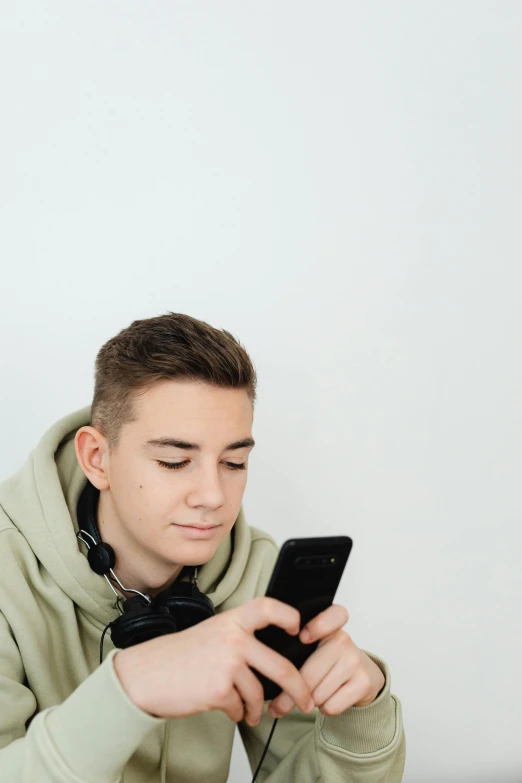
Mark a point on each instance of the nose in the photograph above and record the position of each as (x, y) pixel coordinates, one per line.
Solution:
(206, 490)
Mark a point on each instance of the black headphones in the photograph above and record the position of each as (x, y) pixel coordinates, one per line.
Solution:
(142, 618)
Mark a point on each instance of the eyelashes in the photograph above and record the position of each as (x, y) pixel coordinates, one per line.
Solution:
(180, 465)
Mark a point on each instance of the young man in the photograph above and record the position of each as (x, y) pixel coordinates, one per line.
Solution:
(164, 450)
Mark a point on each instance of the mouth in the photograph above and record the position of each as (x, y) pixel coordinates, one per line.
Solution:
(195, 531)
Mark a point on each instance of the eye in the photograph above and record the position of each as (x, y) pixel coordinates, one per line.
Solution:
(179, 465)
(173, 465)
(236, 466)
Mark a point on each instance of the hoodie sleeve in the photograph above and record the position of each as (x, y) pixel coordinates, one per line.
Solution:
(361, 745)
(56, 745)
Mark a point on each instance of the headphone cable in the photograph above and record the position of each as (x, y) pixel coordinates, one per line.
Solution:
(265, 750)
(101, 641)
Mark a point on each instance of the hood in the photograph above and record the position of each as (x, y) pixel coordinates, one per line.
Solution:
(40, 500)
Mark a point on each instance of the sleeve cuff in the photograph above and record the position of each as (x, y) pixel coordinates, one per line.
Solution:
(364, 729)
(98, 728)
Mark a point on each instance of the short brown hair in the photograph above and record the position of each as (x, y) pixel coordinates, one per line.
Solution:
(173, 346)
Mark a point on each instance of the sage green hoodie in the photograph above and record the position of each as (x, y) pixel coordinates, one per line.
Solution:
(64, 718)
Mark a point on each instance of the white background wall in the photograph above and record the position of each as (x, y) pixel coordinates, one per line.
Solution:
(339, 184)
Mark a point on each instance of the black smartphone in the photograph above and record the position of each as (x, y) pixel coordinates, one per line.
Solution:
(306, 575)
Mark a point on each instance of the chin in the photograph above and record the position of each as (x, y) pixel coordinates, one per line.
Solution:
(191, 553)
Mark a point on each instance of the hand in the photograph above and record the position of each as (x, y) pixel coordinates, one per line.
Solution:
(207, 667)
(338, 673)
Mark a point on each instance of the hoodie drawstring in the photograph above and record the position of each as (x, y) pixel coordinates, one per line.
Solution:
(165, 753)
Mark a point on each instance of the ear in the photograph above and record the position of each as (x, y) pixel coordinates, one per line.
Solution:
(92, 453)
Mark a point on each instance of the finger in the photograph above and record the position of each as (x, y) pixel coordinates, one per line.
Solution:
(316, 669)
(233, 705)
(337, 677)
(344, 698)
(263, 611)
(324, 624)
(251, 692)
(339, 649)
(280, 670)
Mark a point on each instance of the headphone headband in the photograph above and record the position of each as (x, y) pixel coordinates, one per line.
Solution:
(86, 511)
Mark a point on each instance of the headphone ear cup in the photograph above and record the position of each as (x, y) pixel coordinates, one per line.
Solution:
(101, 558)
(186, 603)
(140, 623)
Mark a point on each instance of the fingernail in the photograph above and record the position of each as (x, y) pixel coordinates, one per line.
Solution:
(306, 635)
(310, 706)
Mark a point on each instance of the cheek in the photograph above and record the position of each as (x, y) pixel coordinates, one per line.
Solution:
(235, 489)
(146, 494)
(241, 485)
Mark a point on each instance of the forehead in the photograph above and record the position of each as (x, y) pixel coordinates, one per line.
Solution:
(186, 407)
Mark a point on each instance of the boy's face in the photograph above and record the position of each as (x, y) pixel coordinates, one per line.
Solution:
(151, 501)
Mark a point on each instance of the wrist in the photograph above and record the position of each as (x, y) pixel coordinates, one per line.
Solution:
(130, 669)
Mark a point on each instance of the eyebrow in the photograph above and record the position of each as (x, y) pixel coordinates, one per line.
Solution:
(181, 444)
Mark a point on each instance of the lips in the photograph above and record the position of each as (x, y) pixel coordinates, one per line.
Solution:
(196, 532)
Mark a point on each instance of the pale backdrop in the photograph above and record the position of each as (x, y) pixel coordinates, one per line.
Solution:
(338, 184)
